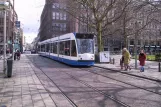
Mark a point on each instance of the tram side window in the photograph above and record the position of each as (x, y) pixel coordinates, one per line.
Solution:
(73, 48)
(67, 48)
(55, 48)
(42, 48)
(38, 48)
(51, 48)
(47, 47)
(45, 50)
(61, 51)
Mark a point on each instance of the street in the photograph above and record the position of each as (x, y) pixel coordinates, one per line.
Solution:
(101, 90)
(41, 82)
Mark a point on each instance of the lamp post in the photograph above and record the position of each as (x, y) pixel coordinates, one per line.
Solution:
(4, 6)
(135, 42)
(4, 43)
(13, 30)
(128, 42)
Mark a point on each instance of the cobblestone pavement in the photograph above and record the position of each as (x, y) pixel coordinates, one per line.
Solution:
(151, 68)
(23, 89)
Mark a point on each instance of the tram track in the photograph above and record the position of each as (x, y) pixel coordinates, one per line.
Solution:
(70, 100)
(99, 91)
(122, 104)
(96, 89)
(95, 72)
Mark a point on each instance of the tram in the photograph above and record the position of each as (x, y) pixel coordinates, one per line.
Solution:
(76, 49)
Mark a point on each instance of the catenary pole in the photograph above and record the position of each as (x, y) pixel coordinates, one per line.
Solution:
(13, 30)
(4, 44)
(135, 45)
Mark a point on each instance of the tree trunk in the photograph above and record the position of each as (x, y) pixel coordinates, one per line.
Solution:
(99, 37)
(124, 32)
(125, 41)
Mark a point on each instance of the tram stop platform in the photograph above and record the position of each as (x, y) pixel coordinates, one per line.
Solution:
(151, 68)
(23, 89)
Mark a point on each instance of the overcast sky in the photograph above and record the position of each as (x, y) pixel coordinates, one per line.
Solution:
(29, 12)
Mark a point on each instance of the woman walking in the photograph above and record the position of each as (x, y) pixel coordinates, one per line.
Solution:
(142, 58)
(126, 55)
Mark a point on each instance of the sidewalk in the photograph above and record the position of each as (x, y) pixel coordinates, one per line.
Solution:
(151, 68)
(23, 89)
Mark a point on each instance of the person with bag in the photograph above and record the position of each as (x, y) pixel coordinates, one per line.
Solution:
(142, 58)
(18, 55)
(127, 59)
(122, 62)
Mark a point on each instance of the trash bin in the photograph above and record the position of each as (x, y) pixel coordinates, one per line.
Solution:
(9, 67)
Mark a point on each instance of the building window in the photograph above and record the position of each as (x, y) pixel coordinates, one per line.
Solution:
(61, 27)
(54, 14)
(131, 42)
(64, 27)
(57, 15)
(65, 16)
(56, 5)
(61, 16)
(139, 42)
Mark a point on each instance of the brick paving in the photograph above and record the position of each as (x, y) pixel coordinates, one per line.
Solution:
(23, 89)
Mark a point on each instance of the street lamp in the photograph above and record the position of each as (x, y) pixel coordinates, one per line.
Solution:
(13, 31)
(4, 6)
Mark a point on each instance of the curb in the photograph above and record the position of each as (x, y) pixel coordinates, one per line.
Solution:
(144, 77)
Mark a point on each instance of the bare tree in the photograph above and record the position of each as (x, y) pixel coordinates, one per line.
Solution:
(110, 16)
(97, 14)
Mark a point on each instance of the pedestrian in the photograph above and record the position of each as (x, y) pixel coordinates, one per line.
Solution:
(122, 62)
(18, 55)
(127, 59)
(15, 55)
(142, 58)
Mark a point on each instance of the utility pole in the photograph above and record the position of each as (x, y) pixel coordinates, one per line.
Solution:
(135, 44)
(13, 30)
(4, 43)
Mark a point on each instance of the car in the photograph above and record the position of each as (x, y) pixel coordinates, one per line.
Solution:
(27, 52)
(33, 51)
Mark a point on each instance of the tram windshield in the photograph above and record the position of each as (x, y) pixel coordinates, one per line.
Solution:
(85, 44)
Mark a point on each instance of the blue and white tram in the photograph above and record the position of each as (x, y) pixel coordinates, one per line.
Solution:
(75, 49)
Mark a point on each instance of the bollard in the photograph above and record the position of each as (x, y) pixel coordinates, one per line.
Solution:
(113, 61)
(9, 67)
(159, 67)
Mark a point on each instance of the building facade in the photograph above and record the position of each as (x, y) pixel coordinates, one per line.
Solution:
(55, 20)
(10, 29)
